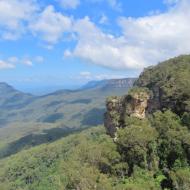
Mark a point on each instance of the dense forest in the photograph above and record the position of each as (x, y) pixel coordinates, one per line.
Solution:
(151, 152)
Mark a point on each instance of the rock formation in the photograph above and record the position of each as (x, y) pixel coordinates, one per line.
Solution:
(134, 104)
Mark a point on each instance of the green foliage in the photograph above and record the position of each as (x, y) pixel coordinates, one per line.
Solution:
(147, 154)
(170, 82)
(137, 143)
(89, 160)
(139, 90)
(141, 180)
(171, 137)
(186, 119)
(84, 161)
(181, 178)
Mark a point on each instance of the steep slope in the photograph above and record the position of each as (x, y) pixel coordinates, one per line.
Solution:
(162, 87)
(85, 161)
(151, 123)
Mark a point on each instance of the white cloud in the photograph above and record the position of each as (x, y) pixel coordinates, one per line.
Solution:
(51, 25)
(144, 41)
(27, 61)
(103, 19)
(69, 4)
(102, 49)
(171, 2)
(39, 59)
(6, 65)
(115, 4)
(67, 53)
(12, 62)
(16, 60)
(14, 14)
(86, 75)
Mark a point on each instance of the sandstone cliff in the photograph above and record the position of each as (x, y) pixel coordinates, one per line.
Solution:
(134, 104)
(165, 86)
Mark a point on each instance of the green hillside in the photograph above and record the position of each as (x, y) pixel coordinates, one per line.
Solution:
(149, 155)
(149, 149)
(169, 83)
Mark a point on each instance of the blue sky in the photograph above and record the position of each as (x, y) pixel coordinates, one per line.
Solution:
(66, 43)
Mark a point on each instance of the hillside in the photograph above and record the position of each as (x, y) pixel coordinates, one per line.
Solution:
(11, 98)
(169, 82)
(63, 105)
(144, 148)
(40, 119)
(85, 161)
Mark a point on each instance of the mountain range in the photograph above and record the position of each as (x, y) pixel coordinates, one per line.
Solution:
(23, 115)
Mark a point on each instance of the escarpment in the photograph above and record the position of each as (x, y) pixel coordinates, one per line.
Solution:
(162, 87)
(134, 104)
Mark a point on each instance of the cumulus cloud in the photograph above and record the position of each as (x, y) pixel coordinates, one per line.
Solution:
(12, 62)
(5, 65)
(51, 25)
(69, 4)
(103, 49)
(14, 14)
(144, 41)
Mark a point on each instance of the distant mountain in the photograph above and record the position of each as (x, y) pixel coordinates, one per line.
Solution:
(94, 84)
(22, 115)
(12, 98)
(112, 83)
(68, 107)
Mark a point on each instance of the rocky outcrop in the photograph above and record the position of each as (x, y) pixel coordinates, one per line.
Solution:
(134, 104)
(113, 116)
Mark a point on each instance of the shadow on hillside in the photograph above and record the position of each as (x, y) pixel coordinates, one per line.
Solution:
(31, 140)
(94, 117)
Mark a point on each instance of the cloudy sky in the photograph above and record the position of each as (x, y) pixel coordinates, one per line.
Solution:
(69, 42)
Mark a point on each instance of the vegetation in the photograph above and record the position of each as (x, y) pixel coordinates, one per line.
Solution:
(146, 154)
(169, 81)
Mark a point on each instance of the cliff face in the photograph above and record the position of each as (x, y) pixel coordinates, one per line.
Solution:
(134, 104)
(111, 84)
(165, 86)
